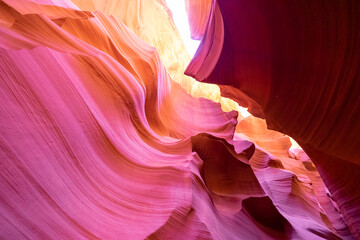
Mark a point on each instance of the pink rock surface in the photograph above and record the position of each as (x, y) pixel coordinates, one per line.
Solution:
(198, 15)
(98, 142)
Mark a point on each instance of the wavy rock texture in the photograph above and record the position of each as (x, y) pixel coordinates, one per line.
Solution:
(159, 32)
(99, 142)
(297, 65)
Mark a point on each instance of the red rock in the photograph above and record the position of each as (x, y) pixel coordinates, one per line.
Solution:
(296, 65)
(98, 142)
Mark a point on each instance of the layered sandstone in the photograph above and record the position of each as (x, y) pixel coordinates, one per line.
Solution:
(103, 137)
(297, 65)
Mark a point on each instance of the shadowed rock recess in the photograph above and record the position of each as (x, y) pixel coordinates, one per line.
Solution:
(103, 136)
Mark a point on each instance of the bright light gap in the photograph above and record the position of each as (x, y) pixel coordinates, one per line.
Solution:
(177, 7)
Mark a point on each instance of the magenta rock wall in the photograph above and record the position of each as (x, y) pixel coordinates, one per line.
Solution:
(97, 140)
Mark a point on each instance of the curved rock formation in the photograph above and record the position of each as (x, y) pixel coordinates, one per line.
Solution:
(198, 15)
(98, 142)
(297, 65)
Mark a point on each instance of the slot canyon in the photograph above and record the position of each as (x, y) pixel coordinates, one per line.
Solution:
(112, 128)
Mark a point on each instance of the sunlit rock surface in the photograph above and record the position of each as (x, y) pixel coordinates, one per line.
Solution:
(295, 64)
(103, 137)
(198, 15)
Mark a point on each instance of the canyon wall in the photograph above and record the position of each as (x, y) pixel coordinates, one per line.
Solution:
(104, 137)
(295, 64)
